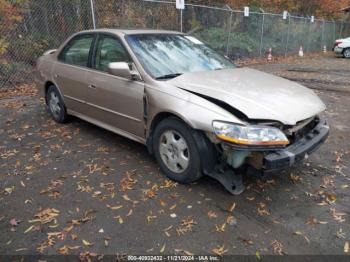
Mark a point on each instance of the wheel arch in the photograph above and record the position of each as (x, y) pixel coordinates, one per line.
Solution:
(207, 151)
(159, 117)
(46, 88)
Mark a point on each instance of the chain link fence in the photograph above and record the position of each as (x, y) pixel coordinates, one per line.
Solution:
(28, 28)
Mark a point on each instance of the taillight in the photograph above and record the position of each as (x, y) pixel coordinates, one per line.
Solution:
(337, 43)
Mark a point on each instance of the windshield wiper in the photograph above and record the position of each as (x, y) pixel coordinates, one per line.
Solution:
(169, 76)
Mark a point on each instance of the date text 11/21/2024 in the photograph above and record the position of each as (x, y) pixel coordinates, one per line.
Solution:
(173, 258)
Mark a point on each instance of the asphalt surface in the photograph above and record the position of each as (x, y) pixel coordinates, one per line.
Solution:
(101, 193)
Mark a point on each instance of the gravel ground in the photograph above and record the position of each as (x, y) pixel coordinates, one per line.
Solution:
(78, 189)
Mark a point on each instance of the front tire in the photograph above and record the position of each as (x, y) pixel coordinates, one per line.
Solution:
(176, 151)
(346, 53)
(56, 105)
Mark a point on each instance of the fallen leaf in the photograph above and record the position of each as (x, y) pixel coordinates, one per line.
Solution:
(346, 247)
(130, 213)
(257, 254)
(14, 222)
(331, 198)
(262, 210)
(87, 243)
(63, 250)
(150, 218)
(46, 216)
(212, 214)
(312, 221)
(120, 219)
(246, 241)
(299, 233)
(21, 249)
(126, 198)
(114, 207)
(162, 249)
(220, 228)
(219, 251)
(295, 178)
(28, 229)
(341, 234)
(9, 190)
(277, 247)
(232, 207)
(187, 253)
(338, 216)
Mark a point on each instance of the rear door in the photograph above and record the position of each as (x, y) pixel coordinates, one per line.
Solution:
(113, 100)
(70, 71)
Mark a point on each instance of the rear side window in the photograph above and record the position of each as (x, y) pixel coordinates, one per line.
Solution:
(76, 52)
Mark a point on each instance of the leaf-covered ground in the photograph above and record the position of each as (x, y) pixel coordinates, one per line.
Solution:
(78, 189)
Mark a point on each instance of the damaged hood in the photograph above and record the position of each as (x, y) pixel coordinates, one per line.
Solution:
(256, 94)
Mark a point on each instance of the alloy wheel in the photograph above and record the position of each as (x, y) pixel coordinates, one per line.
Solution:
(55, 106)
(347, 53)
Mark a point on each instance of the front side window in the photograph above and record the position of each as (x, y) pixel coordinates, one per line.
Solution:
(169, 55)
(109, 50)
(77, 51)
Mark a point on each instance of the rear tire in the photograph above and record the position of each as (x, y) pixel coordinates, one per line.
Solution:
(176, 151)
(56, 105)
(346, 53)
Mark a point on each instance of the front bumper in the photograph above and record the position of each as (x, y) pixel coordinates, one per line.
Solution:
(299, 150)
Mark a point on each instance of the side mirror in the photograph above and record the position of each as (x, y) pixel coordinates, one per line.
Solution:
(120, 69)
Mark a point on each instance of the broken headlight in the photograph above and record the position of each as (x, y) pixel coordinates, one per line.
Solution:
(250, 135)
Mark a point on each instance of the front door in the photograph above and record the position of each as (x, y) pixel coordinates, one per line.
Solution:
(113, 100)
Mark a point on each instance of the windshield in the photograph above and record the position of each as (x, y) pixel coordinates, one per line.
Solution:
(167, 56)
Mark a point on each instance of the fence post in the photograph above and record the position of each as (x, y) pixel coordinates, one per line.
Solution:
(308, 36)
(322, 36)
(341, 29)
(181, 21)
(262, 34)
(93, 13)
(288, 32)
(229, 31)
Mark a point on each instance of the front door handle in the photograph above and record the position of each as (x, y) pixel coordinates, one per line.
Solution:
(92, 86)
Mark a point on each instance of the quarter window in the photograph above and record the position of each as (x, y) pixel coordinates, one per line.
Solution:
(109, 50)
(77, 51)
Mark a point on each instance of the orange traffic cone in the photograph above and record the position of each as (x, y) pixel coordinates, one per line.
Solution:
(269, 56)
(301, 52)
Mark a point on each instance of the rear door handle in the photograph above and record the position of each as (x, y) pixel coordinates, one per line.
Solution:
(92, 86)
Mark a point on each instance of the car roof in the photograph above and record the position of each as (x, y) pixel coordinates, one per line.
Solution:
(132, 31)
